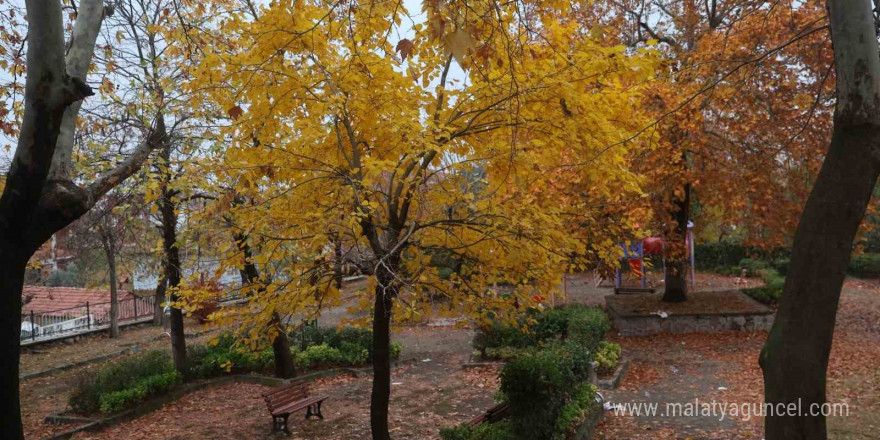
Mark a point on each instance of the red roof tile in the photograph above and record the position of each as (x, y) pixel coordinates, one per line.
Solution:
(41, 299)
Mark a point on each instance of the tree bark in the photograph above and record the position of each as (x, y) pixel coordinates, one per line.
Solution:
(337, 261)
(12, 267)
(385, 292)
(168, 211)
(109, 243)
(675, 283)
(795, 357)
(158, 308)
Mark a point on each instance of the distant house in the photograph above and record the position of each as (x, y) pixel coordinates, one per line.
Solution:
(51, 310)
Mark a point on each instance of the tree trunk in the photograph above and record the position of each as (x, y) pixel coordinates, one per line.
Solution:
(108, 241)
(675, 284)
(284, 366)
(381, 395)
(795, 357)
(158, 308)
(337, 261)
(168, 211)
(12, 267)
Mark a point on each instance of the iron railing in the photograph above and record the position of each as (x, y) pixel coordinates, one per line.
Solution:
(59, 323)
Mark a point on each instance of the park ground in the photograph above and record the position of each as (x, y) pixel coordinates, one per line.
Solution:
(435, 392)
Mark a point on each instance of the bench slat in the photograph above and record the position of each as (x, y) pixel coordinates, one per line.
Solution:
(298, 405)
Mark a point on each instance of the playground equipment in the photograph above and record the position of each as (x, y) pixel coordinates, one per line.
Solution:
(634, 256)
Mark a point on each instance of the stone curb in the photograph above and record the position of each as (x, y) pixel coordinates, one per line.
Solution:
(471, 363)
(614, 382)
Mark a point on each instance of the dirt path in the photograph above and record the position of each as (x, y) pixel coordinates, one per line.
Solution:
(723, 367)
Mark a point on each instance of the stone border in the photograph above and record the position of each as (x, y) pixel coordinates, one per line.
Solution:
(614, 382)
(157, 403)
(628, 324)
(135, 347)
(588, 425)
(471, 363)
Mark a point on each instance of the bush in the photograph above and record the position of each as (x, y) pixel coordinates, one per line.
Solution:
(864, 265)
(587, 326)
(552, 323)
(574, 412)
(119, 400)
(309, 335)
(607, 357)
(771, 291)
(396, 348)
(753, 267)
(504, 353)
(501, 335)
(502, 430)
(88, 389)
(538, 385)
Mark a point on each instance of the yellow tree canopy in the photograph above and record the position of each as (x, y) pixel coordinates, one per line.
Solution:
(481, 133)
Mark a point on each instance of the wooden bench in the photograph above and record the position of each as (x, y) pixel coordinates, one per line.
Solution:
(289, 399)
(633, 290)
(493, 414)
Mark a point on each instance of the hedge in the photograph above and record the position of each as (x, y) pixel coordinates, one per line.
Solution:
(123, 383)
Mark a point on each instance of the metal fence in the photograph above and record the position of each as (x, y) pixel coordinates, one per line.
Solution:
(59, 323)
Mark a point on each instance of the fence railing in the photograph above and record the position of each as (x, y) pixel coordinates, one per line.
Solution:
(57, 323)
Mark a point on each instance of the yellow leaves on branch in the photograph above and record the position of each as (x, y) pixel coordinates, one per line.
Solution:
(498, 173)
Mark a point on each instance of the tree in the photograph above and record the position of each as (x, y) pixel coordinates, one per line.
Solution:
(336, 130)
(741, 114)
(40, 197)
(795, 356)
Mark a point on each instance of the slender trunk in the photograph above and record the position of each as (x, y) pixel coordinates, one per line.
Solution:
(110, 252)
(158, 308)
(795, 357)
(12, 267)
(284, 366)
(675, 284)
(337, 261)
(381, 395)
(167, 208)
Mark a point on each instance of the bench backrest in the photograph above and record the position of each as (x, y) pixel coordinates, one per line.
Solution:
(288, 394)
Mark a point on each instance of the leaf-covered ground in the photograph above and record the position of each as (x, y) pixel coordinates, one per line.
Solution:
(437, 393)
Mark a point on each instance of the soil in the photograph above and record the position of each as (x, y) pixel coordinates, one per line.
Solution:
(725, 302)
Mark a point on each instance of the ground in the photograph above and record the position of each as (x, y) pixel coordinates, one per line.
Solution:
(435, 392)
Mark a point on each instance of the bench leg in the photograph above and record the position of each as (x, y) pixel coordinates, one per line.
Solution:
(315, 413)
(280, 424)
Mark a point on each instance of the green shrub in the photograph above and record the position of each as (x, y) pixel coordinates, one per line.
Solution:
(587, 326)
(607, 357)
(538, 385)
(396, 348)
(319, 356)
(119, 400)
(552, 323)
(771, 291)
(85, 398)
(501, 335)
(502, 430)
(353, 354)
(574, 412)
(753, 267)
(864, 265)
(308, 335)
(504, 353)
